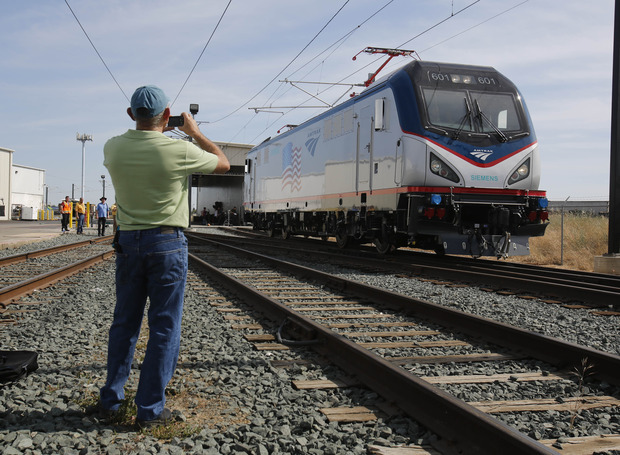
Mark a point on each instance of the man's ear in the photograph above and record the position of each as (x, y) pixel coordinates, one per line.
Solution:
(130, 114)
(166, 114)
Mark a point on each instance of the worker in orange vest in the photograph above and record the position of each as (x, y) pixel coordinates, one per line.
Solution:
(65, 211)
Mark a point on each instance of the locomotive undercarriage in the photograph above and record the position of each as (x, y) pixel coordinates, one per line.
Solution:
(447, 225)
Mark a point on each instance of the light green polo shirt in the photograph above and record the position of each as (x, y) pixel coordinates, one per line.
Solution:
(149, 172)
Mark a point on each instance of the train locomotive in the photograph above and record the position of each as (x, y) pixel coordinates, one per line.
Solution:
(434, 156)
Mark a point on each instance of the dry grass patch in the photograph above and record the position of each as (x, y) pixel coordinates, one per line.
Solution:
(584, 238)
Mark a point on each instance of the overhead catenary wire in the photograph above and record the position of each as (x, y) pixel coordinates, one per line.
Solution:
(203, 51)
(336, 43)
(374, 61)
(475, 26)
(95, 48)
(287, 65)
(453, 13)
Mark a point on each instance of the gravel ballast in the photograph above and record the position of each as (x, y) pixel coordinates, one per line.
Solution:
(227, 397)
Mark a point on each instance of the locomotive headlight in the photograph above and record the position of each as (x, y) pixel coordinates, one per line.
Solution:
(435, 199)
(520, 173)
(543, 203)
(441, 169)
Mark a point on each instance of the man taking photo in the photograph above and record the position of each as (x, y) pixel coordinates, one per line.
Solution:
(150, 172)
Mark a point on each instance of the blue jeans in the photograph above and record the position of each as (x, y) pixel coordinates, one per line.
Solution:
(153, 264)
(80, 223)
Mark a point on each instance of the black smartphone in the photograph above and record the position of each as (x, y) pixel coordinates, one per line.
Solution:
(175, 120)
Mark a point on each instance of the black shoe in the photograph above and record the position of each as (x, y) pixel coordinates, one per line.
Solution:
(162, 419)
(97, 410)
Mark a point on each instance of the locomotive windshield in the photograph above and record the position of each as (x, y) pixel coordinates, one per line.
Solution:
(478, 112)
(477, 101)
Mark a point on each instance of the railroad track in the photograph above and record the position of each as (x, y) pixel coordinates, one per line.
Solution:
(380, 339)
(22, 274)
(569, 287)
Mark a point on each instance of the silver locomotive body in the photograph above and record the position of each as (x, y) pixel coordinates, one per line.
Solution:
(435, 156)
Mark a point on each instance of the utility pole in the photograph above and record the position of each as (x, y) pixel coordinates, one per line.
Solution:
(610, 262)
(83, 138)
(614, 192)
(103, 185)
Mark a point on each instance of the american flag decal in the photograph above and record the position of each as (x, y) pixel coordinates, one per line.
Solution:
(291, 167)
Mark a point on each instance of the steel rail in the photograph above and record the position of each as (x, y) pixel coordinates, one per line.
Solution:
(419, 258)
(454, 420)
(544, 281)
(557, 352)
(25, 287)
(16, 258)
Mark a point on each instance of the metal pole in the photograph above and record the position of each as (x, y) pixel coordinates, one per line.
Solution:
(562, 234)
(83, 166)
(614, 181)
(562, 238)
(83, 138)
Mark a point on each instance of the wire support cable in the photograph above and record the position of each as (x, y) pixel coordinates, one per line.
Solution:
(95, 48)
(286, 67)
(475, 26)
(203, 51)
(376, 60)
(337, 43)
(408, 41)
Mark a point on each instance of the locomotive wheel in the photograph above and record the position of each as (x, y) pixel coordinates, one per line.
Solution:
(271, 231)
(342, 239)
(383, 245)
(285, 233)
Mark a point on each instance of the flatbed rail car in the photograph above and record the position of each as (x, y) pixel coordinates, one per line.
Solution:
(437, 156)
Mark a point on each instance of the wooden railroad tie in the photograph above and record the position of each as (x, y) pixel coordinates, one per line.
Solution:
(266, 337)
(336, 308)
(545, 404)
(350, 414)
(466, 379)
(247, 326)
(606, 313)
(584, 444)
(402, 450)
(356, 316)
(403, 333)
(355, 325)
(320, 384)
(458, 358)
(232, 317)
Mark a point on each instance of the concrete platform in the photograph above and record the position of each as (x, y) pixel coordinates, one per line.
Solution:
(17, 233)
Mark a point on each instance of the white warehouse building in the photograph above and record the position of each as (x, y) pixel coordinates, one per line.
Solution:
(21, 188)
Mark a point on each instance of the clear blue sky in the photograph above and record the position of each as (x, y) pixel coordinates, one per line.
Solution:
(54, 84)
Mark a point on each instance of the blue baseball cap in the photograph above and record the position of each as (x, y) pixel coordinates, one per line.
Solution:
(151, 98)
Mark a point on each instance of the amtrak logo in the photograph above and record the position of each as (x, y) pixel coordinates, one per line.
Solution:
(481, 154)
(311, 144)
